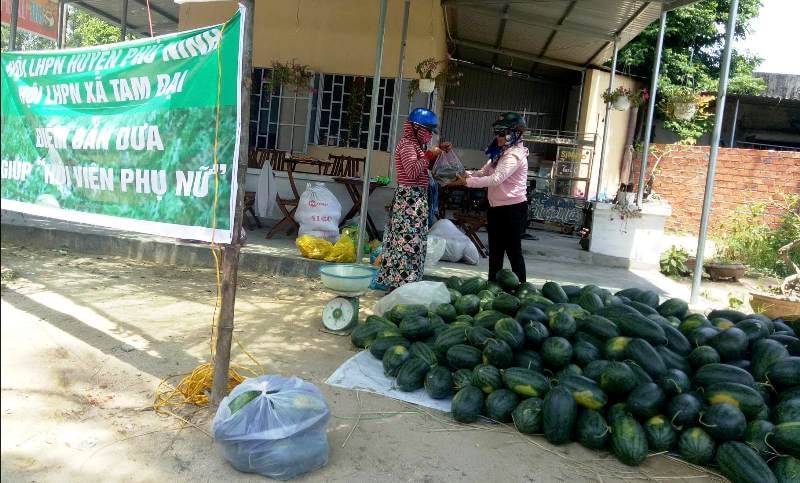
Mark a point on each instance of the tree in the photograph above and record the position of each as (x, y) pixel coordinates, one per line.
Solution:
(84, 30)
(694, 41)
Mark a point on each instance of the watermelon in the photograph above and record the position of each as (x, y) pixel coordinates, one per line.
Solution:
(741, 464)
(487, 378)
(559, 414)
(591, 429)
(394, 358)
(556, 352)
(500, 404)
(467, 404)
(401, 311)
(535, 333)
(660, 434)
(507, 279)
(528, 360)
(462, 356)
(617, 379)
(646, 400)
(438, 383)
(724, 422)
(756, 436)
(509, 331)
(554, 292)
(786, 469)
(506, 303)
(628, 440)
(683, 410)
(411, 375)
(498, 353)
(525, 382)
(468, 304)
(527, 416)
(696, 446)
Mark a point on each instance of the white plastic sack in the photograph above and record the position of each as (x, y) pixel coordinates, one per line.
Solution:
(459, 246)
(454, 250)
(446, 229)
(422, 293)
(471, 255)
(280, 433)
(266, 192)
(318, 212)
(435, 250)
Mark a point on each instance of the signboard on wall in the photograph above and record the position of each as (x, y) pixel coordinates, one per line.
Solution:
(140, 136)
(38, 17)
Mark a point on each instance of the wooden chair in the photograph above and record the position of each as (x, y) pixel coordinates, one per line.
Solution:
(249, 208)
(471, 223)
(287, 204)
(345, 166)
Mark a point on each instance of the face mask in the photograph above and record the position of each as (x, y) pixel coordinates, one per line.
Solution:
(424, 135)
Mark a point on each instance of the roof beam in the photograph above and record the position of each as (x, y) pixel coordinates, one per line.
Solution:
(500, 33)
(633, 17)
(552, 35)
(584, 30)
(158, 10)
(518, 54)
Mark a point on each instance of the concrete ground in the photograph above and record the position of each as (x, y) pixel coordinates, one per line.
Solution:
(86, 340)
(552, 257)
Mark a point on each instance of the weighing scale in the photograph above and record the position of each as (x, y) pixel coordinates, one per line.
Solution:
(348, 282)
(341, 313)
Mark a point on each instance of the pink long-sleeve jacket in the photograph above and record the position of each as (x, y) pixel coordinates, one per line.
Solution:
(508, 181)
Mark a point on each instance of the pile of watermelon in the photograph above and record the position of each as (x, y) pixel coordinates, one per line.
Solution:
(617, 371)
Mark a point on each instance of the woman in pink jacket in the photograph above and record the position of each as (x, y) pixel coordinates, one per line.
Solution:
(506, 177)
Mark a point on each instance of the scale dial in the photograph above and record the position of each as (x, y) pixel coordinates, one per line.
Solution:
(340, 314)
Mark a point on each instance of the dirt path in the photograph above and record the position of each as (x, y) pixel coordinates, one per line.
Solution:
(85, 342)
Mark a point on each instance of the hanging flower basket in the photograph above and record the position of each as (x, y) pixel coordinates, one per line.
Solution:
(684, 111)
(427, 85)
(621, 103)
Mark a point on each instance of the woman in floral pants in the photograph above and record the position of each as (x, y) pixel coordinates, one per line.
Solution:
(405, 238)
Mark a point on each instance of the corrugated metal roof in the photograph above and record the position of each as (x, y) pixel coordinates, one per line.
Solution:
(163, 13)
(571, 34)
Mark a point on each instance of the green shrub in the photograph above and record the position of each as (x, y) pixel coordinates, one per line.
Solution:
(673, 262)
(746, 237)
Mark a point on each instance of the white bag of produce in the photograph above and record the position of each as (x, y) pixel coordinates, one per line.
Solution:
(273, 426)
(318, 212)
(421, 293)
(459, 247)
(435, 250)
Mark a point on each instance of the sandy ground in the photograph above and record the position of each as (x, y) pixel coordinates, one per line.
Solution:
(86, 341)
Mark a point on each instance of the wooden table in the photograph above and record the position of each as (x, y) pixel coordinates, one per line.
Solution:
(321, 165)
(353, 187)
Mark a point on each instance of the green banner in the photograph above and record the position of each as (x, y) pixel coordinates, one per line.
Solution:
(140, 135)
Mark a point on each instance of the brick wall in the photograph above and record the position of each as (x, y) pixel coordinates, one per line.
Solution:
(743, 176)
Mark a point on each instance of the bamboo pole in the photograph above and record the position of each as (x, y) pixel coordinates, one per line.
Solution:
(230, 254)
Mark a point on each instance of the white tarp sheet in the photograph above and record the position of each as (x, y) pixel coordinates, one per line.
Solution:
(363, 372)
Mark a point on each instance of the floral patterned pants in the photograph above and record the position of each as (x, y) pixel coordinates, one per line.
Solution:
(405, 238)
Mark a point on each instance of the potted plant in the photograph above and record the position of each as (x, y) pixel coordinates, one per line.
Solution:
(433, 74)
(725, 266)
(681, 102)
(618, 98)
(638, 97)
(785, 302)
(293, 75)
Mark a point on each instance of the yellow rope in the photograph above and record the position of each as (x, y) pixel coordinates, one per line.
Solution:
(195, 386)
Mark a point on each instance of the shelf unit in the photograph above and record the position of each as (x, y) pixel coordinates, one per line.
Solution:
(560, 196)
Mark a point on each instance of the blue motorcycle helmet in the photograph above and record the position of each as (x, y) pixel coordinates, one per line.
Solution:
(424, 118)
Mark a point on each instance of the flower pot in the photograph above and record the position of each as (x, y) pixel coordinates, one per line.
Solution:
(775, 307)
(684, 110)
(690, 263)
(725, 271)
(621, 103)
(427, 85)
